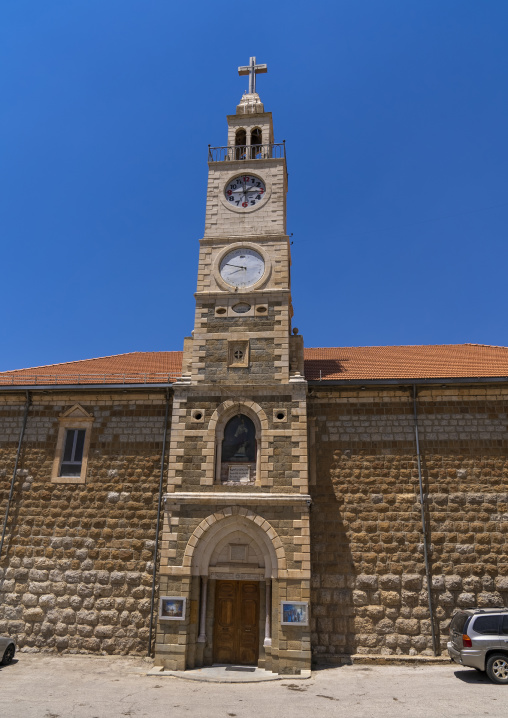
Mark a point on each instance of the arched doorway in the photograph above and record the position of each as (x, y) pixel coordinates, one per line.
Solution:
(236, 562)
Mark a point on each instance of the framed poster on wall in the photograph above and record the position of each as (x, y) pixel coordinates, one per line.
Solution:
(172, 608)
(294, 613)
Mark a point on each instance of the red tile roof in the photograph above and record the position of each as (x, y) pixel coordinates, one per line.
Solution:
(436, 361)
(132, 368)
(443, 361)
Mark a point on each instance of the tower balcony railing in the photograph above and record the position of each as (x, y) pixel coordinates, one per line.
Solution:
(247, 152)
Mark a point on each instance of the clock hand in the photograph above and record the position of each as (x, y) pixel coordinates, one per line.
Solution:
(228, 264)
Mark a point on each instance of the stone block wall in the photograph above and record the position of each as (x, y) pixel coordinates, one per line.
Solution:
(283, 445)
(248, 122)
(76, 569)
(275, 247)
(267, 339)
(268, 218)
(369, 586)
(186, 525)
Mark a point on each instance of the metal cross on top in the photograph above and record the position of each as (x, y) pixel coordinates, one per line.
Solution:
(252, 70)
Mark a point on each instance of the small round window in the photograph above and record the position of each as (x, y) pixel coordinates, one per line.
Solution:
(241, 308)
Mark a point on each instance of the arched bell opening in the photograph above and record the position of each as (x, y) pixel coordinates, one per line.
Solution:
(256, 141)
(240, 144)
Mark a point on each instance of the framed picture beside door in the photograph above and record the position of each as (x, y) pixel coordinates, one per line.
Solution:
(172, 608)
(294, 613)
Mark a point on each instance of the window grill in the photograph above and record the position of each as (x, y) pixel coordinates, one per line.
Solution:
(73, 452)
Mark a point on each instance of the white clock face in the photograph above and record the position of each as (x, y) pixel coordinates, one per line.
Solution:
(245, 191)
(242, 267)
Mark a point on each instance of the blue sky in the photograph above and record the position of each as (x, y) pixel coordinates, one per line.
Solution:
(395, 117)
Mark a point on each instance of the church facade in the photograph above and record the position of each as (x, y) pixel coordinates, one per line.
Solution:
(249, 500)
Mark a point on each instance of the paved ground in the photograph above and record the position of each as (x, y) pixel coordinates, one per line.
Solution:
(46, 686)
(224, 673)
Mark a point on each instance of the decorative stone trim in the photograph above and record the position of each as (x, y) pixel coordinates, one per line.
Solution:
(232, 499)
(214, 436)
(238, 245)
(236, 517)
(74, 418)
(198, 416)
(238, 353)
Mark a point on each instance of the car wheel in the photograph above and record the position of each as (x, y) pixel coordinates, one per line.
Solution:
(497, 668)
(8, 655)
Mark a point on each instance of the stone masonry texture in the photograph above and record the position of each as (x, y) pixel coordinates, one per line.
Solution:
(76, 569)
(369, 586)
(75, 574)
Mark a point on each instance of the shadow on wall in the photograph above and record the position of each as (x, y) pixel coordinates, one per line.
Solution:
(368, 593)
(332, 612)
(13, 527)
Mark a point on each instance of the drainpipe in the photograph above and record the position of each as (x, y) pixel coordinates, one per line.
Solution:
(161, 482)
(22, 433)
(424, 526)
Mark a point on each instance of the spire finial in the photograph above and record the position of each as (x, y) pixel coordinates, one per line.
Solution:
(252, 70)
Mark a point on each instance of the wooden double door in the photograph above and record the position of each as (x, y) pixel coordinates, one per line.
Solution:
(236, 629)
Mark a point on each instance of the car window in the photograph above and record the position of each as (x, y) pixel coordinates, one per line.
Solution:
(458, 622)
(487, 625)
(504, 625)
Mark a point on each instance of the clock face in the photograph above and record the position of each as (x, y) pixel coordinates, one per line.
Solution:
(245, 191)
(242, 267)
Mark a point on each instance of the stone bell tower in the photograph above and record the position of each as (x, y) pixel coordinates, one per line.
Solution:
(235, 545)
(243, 306)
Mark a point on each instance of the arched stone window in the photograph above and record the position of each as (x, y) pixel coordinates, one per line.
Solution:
(238, 451)
(240, 144)
(215, 436)
(256, 140)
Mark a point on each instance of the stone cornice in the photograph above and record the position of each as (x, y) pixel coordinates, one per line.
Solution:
(256, 238)
(233, 499)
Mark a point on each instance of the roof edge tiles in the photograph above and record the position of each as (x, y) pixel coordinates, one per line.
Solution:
(325, 364)
(91, 359)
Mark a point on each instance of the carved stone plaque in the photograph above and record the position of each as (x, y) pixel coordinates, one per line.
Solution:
(240, 474)
(238, 552)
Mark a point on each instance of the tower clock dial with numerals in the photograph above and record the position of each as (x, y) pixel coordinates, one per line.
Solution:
(245, 191)
(242, 267)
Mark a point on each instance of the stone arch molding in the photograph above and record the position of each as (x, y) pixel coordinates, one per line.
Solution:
(215, 528)
(229, 408)
(215, 434)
